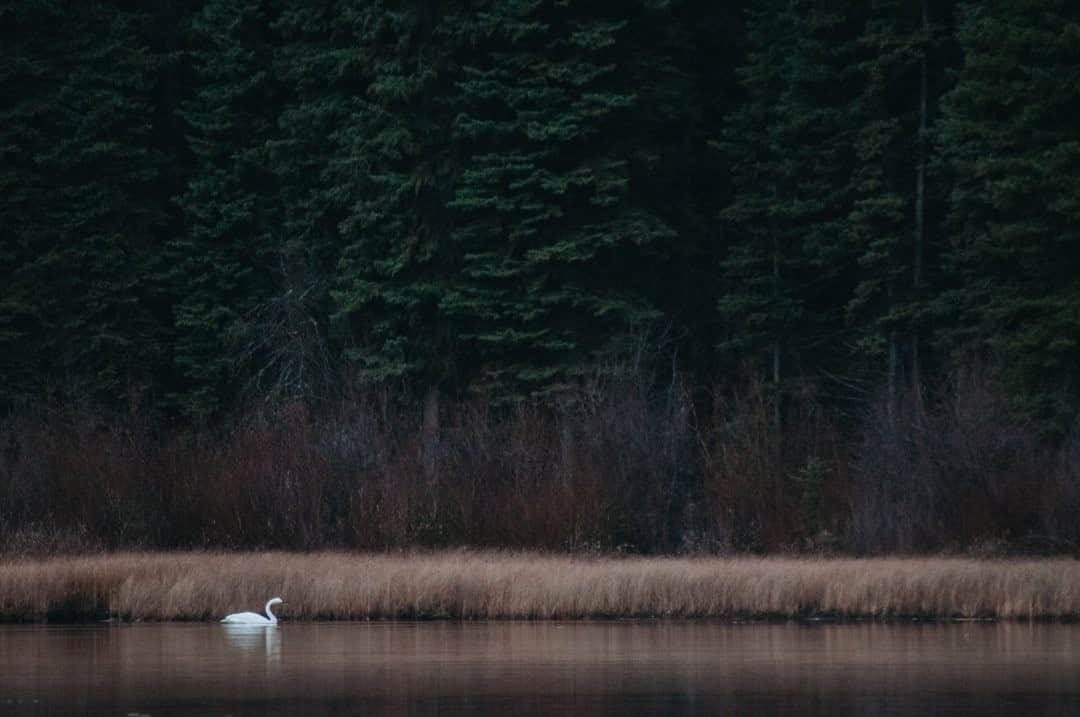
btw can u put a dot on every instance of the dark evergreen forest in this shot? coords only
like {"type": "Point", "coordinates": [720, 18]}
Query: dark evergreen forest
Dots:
{"type": "Point", "coordinates": [654, 276]}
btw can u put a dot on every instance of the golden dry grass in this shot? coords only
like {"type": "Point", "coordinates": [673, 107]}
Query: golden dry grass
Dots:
{"type": "Point", "coordinates": [466, 585]}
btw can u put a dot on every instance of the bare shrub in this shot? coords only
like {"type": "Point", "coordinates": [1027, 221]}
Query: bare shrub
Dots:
{"type": "Point", "coordinates": [770, 485]}
{"type": "Point", "coordinates": [1061, 502]}
{"type": "Point", "coordinates": [966, 473]}
{"type": "Point", "coordinates": [631, 441]}
{"type": "Point", "coordinates": [896, 496]}
{"type": "Point", "coordinates": [635, 461]}
{"type": "Point", "coordinates": [279, 348]}
{"type": "Point", "coordinates": [80, 477]}
{"type": "Point", "coordinates": [994, 465]}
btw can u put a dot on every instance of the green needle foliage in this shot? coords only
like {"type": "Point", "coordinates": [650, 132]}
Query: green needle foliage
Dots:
{"type": "Point", "coordinates": [391, 170]}
{"type": "Point", "coordinates": [552, 251]}
{"type": "Point", "coordinates": [83, 308]}
{"type": "Point", "coordinates": [220, 264]}
{"type": "Point", "coordinates": [790, 144]}
{"type": "Point", "coordinates": [212, 206]}
{"type": "Point", "coordinates": [1012, 149]}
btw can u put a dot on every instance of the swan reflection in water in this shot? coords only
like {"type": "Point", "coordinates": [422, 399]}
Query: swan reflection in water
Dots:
{"type": "Point", "coordinates": [255, 640]}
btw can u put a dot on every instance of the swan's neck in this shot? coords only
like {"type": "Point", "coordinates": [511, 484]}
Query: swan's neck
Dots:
{"type": "Point", "coordinates": [269, 612]}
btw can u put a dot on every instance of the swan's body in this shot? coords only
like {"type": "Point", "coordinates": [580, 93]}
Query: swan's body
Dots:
{"type": "Point", "coordinates": [254, 618]}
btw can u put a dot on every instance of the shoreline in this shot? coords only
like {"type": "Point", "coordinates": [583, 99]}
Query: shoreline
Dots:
{"type": "Point", "coordinates": [495, 585]}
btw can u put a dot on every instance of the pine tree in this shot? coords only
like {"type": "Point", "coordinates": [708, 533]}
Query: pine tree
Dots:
{"type": "Point", "coordinates": [222, 264]}
{"type": "Point", "coordinates": [391, 172]}
{"type": "Point", "coordinates": [84, 305]}
{"type": "Point", "coordinates": [281, 345]}
{"type": "Point", "coordinates": [902, 50]}
{"type": "Point", "coordinates": [1012, 150]}
{"type": "Point", "coordinates": [786, 262]}
{"type": "Point", "coordinates": [552, 249]}
{"type": "Point", "coordinates": [681, 68]}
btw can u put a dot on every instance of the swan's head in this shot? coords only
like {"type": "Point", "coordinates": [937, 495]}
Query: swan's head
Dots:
{"type": "Point", "coordinates": [275, 601]}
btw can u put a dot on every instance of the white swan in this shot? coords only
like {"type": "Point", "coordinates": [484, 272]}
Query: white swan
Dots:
{"type": "Point", "coordinates": [254, 618]}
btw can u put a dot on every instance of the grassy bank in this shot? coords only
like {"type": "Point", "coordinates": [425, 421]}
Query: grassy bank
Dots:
{"type": "Point", "coordinates": [205, 586]}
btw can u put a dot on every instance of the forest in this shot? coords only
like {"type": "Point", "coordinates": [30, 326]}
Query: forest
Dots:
{"type": "Point", "coordinates": [657, 276]}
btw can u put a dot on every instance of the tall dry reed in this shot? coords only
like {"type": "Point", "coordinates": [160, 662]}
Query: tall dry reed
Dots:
{"type": "Point", "coordinates": [500, 585]}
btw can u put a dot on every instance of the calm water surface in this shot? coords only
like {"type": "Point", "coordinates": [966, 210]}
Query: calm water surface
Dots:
{"type": "Point", "coordinates": [499, 668]}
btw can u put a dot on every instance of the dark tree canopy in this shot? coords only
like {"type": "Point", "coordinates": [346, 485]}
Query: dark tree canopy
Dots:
{"type": "Point", "coordinates": [211, 205]}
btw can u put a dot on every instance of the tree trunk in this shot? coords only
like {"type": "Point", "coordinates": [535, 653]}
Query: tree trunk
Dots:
{"type": "Point", "coordinates": [776, 375]}
{"type": "Point", "coordinates": [429, 436]}
{"type": "Point", "coordinates": [920, 212]}
{"type": "Point", "coordinates": [890, 399]}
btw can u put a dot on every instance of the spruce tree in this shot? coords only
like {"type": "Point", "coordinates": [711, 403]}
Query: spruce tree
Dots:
{"type": "Point", "coordinates": [222, 264]}
{"type": "Point", "coordinates": [681, 68]}
{"type": "Point", "coordinates": [903, 53]}
{"type": "Point", "coordinates": [84, 310]}
{"type": "Point", "coordinates": [552, 250]}
{"type": "Point", "coordinates": [1012, 150]}
{"type": "Point", "coordinates": [281, 345]}
{"type": "Point", "coordinates": [786, 262]}
{"type": "Point", "coordinates": [391, 173]}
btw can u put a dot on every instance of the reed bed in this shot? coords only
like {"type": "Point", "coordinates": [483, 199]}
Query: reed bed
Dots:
{"type": "Point", "coordinates": [498, 585]}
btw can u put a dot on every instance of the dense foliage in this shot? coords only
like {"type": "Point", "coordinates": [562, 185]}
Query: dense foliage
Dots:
{"type": "Point", "coordinates": [841, 213]}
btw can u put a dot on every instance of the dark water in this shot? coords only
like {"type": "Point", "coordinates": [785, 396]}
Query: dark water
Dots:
{"type": "Point", "coordinates": [517, 669]}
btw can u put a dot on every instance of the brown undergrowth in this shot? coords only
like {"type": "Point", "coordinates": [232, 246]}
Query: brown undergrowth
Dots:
{"type": "Point", "coordinates": [504, 585]}
{"type": "Point", "coordinates": [634, 465]}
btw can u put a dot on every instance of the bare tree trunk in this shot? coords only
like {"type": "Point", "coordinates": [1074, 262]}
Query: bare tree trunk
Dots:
{"type": "Point", "coordinates": [890, 403]}
{"type": "Point", "coordinates": [429, 445]}
{"type": "Point", "coordinates": [776, 375]}
{"type": "Point", "coordinates": [777, 443]}
{"type": "Point", "coordinates": [920, 211]}
{"type": "Point", "coordinates": [566, 471]}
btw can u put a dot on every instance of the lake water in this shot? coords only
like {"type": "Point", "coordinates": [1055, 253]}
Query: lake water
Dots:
{"type": "Point", "coordinates": [518, 669]}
